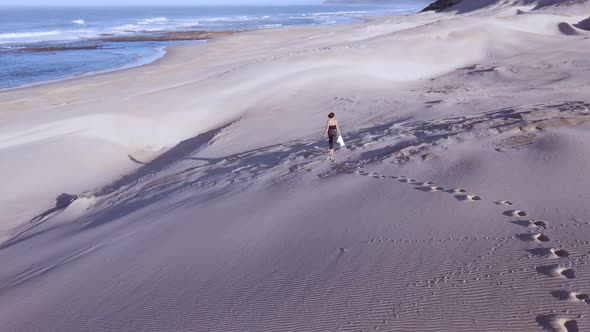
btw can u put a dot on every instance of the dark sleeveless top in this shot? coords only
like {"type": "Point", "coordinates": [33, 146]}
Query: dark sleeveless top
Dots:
{"type": "Point", "coordinates": [332, 127]}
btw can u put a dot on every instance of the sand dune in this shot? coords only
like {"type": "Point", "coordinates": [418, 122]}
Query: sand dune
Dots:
{"type": "Point", "coordinates": [201, 197]}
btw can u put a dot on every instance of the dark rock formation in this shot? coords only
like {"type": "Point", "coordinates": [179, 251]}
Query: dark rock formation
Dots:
{"type": "Point", "coordinates": [360, 2]}
{"type": "Point", "coordinates": [441, 5]}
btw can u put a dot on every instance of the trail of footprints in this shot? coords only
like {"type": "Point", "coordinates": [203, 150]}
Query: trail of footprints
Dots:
{"type": "Point", "coordinates": [536, 234]}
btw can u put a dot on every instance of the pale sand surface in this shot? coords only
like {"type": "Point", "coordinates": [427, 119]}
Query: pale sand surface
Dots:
{"type": "Point", "coordinates": [207, 203]}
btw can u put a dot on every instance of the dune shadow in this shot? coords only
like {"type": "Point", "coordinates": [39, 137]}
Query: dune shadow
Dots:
{"type": "Point", "coordinates": [140, 200]}
{"type": "Point", "coordinates": [165, 160]}
{"type": "Point", "coordinates": [24, 237]}
{"type": "Point", "coordinates": [61, 202]}
{"type": "Point", "coordinates": [395, 150]}
{"type": "Point", "coordinates": [251, 162]}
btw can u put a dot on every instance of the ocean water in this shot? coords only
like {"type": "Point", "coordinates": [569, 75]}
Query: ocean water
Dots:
{"type": "Point", "coordinates": [23, 29]}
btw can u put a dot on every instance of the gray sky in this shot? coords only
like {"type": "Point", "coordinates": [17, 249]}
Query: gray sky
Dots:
{"type": "Point", "coordinates": [153, 2]}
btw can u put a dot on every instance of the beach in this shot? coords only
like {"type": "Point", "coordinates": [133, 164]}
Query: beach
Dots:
{"type": "Point", "coordinates": [199, 195]}
{"type": "Point", "coordinates": [41, 44]}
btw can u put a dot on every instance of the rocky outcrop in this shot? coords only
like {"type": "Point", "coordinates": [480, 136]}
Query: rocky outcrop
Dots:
{"type": "Point", "coordinates": [584, 24]}
{"type": "Point", "coordinates": [470, 5]}
{"type": "Point", "coordinates": [360, 2]}
{"type": "Point", "coordinates": [441, 5]}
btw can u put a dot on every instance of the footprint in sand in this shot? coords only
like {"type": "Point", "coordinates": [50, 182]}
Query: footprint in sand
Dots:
{"type": "Point", "coordinates": [559, 253]}
{"type": "Point", "coordinates": [531, 223]}
{"type": "Point", "coordinates": [557, 271]}
{"type": "Point", "coordinates": [515, 213]}
{"type": "Point", "coordinates": [508, 203]}
{"type": "Point", "coordinates": [557, 323]}
{"type": "Point", "coordinates": [468, 198]}
{"type": "Point", "coordinates": [458, 191]}
{"type": "Point", "coordinates": [538, 223]}
{"type": "Point", "coordinates": [430, 189]}
{"type": "Point", "coordinates": [579, 297]}
{"type": "Point", "coordinates": [538, 237]}
{"type": "Point", "coordinates": [571, 296]}
{"type": "Point", "coordinates": [549, 252]}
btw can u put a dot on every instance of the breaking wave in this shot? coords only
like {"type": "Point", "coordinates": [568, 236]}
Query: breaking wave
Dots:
{"type": "Point", "coordinates": [24, 35]}
{"type": "Point", "coordinates": [156, 20]}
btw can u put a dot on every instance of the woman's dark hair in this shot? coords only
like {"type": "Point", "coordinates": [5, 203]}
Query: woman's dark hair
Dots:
{"type": "Point", "coordinates": [331, 115]}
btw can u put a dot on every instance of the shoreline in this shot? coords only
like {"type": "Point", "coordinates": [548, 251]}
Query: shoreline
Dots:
{"type": "Point", "coordinates": [193, 37]}
{"type": "Point", "coordinates": [161, 53]}
{"type": "Point", "coordinates": [141, 63]}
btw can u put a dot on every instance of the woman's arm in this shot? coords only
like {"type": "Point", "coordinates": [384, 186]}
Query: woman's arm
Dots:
{"type": "Point", "coordinates": [327, 127]}
{"type": "Point", "coordinates": [338, 127]}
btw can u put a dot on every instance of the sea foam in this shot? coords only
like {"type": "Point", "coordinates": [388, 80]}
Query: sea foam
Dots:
{"type": "Point", "coordinates": [157, 20]}
{"type": "Point", "coordinates": [23, 35]}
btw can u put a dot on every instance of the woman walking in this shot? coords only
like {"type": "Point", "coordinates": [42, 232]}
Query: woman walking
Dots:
{"type": "Point", "coordinates": [332, 132]}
